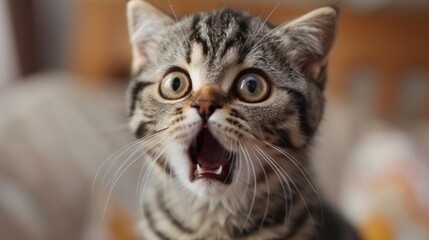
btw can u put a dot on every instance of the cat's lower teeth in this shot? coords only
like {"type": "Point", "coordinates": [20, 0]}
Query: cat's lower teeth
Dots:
{"type": "Point", "coordinates": [217, 171]}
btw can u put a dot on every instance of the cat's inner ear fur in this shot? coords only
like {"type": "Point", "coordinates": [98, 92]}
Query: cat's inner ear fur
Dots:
{"type": "Point", "coordinates": [144, 20]}
{"type": "Point", "coordinates": [309, 39]}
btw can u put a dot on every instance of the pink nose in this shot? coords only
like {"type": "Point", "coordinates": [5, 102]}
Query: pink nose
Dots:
{"type": "Point", "coordinates": [206, 107]}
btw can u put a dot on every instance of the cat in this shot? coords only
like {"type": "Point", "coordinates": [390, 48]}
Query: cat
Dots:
{"type": "Point", "coordinates": [226, 106]}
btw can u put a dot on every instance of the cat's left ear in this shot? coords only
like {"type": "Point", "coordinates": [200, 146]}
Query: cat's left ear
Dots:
{"type": "Point", "coordinates": [144, 21]}
{"type": "Point", "coordinates": [309, 39]}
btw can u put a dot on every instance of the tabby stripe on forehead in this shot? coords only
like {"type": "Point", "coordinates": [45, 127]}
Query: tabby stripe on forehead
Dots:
{"type": "Point", "coordinates": [136, 89]}
{"type": "Point", "coordinates": [188, 52]}
{"type": "Point", "coordinates": [228, 44]}
{"type": "Point", "coordinates": [237, 39]}
{"type": "Point", "coordinates": [301, 103]}
{"type": "Point", "coordinates": [196, 35]}
{"type": "Point", "coordinates": [193, 27]}
{"type": "Point", "coordinates": [151, 222]}
{"type": "Point", "coordinates": [169, 214]}
{"type": "Point", "coordinates": [244, 49]}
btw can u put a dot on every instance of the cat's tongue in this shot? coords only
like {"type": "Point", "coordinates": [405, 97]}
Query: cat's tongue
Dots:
{"type": "Point", "coordinates": [211, 154]}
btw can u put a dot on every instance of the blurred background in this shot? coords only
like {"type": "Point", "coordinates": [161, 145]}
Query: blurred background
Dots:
{"type": "Point", "coordinates": [64, 67]}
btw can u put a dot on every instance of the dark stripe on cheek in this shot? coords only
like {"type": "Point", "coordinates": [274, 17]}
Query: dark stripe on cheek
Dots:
{"type": "Point", "coordinates": [135, 91]}
{"type": "Point", "coordinates": [302, 105]}
{"type": "Point", "coordinates": [141, 130]}
{"type": "Point", "coordinates": [284, 139]}
{"type": "Point", "coordinates": [235, 113]}
{"type": "Point", "coordinates": [283, 135]}
{"type": "Point", "coordinates": [162, 162]}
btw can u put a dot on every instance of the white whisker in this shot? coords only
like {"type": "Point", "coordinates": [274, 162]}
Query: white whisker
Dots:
{"type": "Point", "coordinates": [255, 185]}
{"type": "Point", "coordinates": [283, 179]}
{"type": "Point", "coordinates": [118, 170]}
{"type": "Point", "coordinates": [300, 167]}
{"type": "Point", "coordinates": [120, 174]}
{"type": "Point", "coordinates": [268, 190]}
{"type": "Point", "coordinates": [297, 189]}
{"type": "Point", "coordinates": [120, 151]}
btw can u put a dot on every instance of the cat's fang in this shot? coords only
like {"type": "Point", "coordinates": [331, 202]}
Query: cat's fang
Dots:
{"type": "Point", "coordinates": [222, 173]}
{"type": "Point", "coordinates": [201, 170]}
{"type": "Point", "coordinates": [219, 170]}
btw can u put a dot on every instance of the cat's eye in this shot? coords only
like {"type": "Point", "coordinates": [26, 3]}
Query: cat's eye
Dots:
{"type": "Point", "coordinates": [175, 85]}
{"type": "Point", "coordinates": [252, 88]}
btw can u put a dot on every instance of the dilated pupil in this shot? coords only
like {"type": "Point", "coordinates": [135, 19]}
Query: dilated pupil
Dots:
{"type": "Point", "coordinates": [252, 85]}
{"type": "Point", "coordinates": [176, 84]}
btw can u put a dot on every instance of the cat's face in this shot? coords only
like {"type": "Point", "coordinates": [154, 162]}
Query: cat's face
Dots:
{"type": "Point", "coordinates": [217, 96]}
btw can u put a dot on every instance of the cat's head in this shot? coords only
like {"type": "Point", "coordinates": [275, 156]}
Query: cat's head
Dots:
{"type": "Point", "coordinates": [220, 98]}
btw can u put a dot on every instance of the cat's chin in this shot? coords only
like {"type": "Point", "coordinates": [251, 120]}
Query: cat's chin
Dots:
{"type": "Point", "coordinates": [209, 189]}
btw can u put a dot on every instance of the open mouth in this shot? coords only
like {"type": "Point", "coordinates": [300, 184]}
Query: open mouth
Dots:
{"type": "Point", "coordinates": [209, 159]}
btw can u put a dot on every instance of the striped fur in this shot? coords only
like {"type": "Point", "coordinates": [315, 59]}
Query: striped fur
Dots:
{"type": "Point", "coordinates": [271, 195]}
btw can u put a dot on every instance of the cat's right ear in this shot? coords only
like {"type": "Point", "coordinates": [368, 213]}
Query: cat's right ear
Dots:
{"type": "Point", "coordinates": [144, 20]}
{"type": "Point", "coordinates": [308, 40]}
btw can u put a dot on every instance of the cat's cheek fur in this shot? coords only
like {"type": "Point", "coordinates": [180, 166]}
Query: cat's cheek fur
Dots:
{"type": "Point", "coordinates": [137, 119]}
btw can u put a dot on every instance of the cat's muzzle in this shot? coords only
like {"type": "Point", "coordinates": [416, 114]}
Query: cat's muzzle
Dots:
{"type": "Point", "coordinates": [209, 159]}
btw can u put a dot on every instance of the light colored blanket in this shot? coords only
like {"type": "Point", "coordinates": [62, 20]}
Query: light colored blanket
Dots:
{"type": "Point", "coordinates": [54, 135]}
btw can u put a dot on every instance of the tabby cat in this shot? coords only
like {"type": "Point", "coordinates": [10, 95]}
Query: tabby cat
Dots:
{"type": "Point", "coordinates": [225, 106]}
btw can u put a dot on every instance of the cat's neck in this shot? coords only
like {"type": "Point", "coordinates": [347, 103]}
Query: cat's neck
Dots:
{"type": "Point", "coordinates": [240, 216]}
